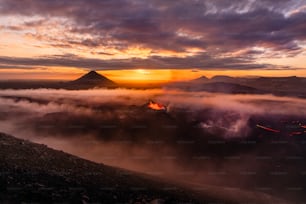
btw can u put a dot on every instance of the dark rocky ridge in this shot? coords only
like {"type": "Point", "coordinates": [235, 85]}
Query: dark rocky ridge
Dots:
{"type": "Point", "coordinates": [35, 173]}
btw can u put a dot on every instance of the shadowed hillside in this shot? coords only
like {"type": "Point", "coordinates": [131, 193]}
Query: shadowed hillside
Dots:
{"type": "Point", "coordinates": [35, 173]}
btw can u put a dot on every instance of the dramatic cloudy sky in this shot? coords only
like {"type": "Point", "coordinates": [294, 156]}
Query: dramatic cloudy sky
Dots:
{"type": "Point", "coordinates": [61, 38]}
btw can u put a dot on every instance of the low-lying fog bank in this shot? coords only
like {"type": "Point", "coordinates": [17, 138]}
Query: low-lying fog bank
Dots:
{"type": "Point", "coordinates": [203, 138]}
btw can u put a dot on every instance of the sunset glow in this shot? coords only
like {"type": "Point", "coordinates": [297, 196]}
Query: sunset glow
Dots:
{"type": "Point", "coordinates": [153, 101]}
{"type": "Point", "coordinates": [58, 41]}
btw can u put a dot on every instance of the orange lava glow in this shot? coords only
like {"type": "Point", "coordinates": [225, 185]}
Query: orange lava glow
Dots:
{"type": "Point", "coordinates": [295, 133]}
{"type": "Point", "coordinates": [156, 106]}
{"type": "Point", "coordinates": [268, 129]}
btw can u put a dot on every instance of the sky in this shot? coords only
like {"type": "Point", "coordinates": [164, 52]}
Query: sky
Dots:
{"type": "Point", "coordinates": [156, 40]}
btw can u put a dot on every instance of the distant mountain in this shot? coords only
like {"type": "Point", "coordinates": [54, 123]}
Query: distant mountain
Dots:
{"type": "Point", "coordinates": [282, 86]}
{"type": "Point", "coordinates": [92, 76]}
{"type": "Point", "coordinates": [223, 87]}
{"type": "Point", "coordinates": [201, 79]}
{"type": "Point", "coordinates": [88, 81]}
{"type": "Point", "coordinates": [218, 87]}
{"type": "Point", "coordinates": [222, 78]}
{"type": "Point", "coordinates": [91, 80]}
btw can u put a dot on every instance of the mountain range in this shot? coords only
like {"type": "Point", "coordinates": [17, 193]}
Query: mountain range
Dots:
{"type": "Point", "coordinates": [282, 86]}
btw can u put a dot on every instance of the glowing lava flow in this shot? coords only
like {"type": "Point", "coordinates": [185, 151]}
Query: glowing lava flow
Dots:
{"type": "Point", "coordinates": [156, 106]}
{"type": "Point", "coordinates": [268, 129]}
{"type": "Point", "coordinates": [295, 133]}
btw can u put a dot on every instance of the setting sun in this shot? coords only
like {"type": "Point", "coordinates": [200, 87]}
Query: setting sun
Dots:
{"type": "Point", "coordinates": [142, 71]}
{"type": "Point", "coordinates": [139, 76]}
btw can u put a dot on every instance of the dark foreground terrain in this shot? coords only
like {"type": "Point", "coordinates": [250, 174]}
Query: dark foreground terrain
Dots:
{"type": "Point", "coordinates": [35, 173]}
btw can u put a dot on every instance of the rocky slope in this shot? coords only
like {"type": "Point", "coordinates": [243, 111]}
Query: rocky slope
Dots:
{"type": "Point", "coordinates": [35, 173]}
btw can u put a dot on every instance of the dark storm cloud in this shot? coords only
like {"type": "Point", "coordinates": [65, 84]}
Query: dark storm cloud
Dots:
{"type": "Point", "coordinates": [201, 61]}
{"type": "Point", "coordinates": [218, 27]}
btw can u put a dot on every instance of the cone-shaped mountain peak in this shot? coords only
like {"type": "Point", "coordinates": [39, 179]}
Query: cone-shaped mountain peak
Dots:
{"type": "Point", "coordinates": [91, 79]}
{"type": "Point", "coordinates": [92, 75]}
